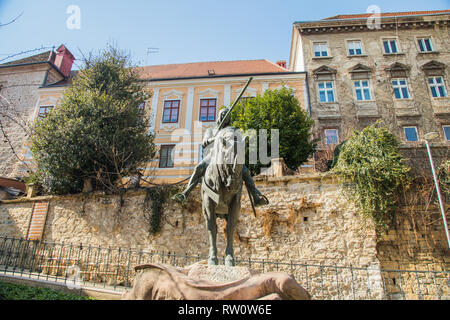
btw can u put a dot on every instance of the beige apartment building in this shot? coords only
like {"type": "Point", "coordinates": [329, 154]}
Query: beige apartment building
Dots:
{"type": "Point", "coordinates": [393, 68]}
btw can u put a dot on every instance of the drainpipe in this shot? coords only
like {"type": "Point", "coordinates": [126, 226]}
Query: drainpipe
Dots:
{"type": "Point", "coordinates": [309, 96]}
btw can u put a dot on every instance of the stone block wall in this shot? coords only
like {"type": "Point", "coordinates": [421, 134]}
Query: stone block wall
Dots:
{"type": "Point", "coordinates": [308, 222]}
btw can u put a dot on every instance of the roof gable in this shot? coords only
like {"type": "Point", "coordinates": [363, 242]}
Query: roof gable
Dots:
{"type": "Point", "coordinates": [41, 57]}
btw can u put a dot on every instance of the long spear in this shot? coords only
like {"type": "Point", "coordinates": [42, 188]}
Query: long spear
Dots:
{"type": "Point", "coordinates": [228, 115]}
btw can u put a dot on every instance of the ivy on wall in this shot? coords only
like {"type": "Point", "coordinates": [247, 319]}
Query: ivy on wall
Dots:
{"type": "Point", "coordinates": [154, 205]}
{"type": "Point", "coordinates": [373, 173]}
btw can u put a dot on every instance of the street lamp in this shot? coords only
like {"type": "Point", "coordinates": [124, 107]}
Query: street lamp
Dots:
{"type": "Point", "coordinates": [428, 137]}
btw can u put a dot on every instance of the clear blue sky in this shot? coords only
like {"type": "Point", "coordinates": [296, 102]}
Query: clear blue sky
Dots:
{"type": "Point", "coordinates": [183, 30]}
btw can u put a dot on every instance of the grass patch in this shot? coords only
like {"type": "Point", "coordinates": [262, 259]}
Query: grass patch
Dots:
{"type": "Point", "coordinates": [9, 291]}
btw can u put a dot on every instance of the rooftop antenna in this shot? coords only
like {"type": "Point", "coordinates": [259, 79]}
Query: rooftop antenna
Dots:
{"type": "Point", "coordinates": [149, 51]}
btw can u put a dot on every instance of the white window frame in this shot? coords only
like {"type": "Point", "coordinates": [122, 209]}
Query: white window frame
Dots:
{"type": "Point", "coordinates": [411, 127]}
{"type": "Point", "coordinates": [419, 39]}
{"type": "Point", "coordinates": [400, 87]}
{"type": "Point", "coordinates": [326, 137]}
{"type": "Point", "coordinates": [321, 43]}
{"type": "Point", "coordinates": [443, 129]}
{"type": "Point", "coordinates": [397, 44]}
{"type": "Point", "coordinates": [325, 89]}
{"type": "Point", "coordinates": [355, 54]}
{"type": "Point", "coordinates": [436, 85]}
{"type": "Point", "coordinates": [355, 89]}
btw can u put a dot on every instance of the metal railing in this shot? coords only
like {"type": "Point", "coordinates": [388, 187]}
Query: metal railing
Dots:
{"type": "Point", "coordinates": [113, 268]}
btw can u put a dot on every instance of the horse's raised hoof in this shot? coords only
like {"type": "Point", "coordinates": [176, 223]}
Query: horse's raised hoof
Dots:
{"type": "Point", "coordinates": [213, 262]}
{"type": "Point", "coordinates": [229, 261]}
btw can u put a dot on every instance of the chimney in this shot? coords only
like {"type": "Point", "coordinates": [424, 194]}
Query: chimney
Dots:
{"type": "Point", "coordinates": [282, 63]}
{"type": "Point", "coordinates": [64, 60]}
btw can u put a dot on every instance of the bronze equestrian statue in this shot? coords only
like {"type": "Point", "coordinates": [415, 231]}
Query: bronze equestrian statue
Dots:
{"type": "Point", "coordinates": [222, 173]}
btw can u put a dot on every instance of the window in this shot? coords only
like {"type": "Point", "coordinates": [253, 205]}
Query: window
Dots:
{"type": "Point", "coordinates": [411, 134]}
{"type": "Point", "coordinates": [390, 46]}
{"type": "Point", "coordinates": [320, 49]}
{"type": "Point", "coordinates": [354, 48]}
{"type": "Point", "coordinates": [401, 90]}
{"type": "Point", "coordinates": [208, 110]}
{"type": "Point", "coordinates": [44, 111]}
{"type": "Point", "coordinates": [166, 156]}
{"type": "Point", "coordinates": [446, 132]}
{"type": "Point", "coordinates": [425, 44]}
{"type": "Point", "coordinates": [326, 91]}
{"type": "Point", "coordinates": [171, 111]}
{"type": "Point", "coordinates": [362, 90]}
{"type": "Point", "coordinates": [332, 136]}
{"type": "Point", "coordinates": [437, 87]}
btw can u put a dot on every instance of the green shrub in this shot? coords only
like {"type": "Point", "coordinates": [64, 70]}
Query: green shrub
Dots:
{"type": "Point", "coordinates": [374, 173]}
{"type": "Point", "coordinates": [278, 109]}
{"type": "Point", "coordinates": [98, 131]}
{"type": "Point", "coordinates": [10, 291]}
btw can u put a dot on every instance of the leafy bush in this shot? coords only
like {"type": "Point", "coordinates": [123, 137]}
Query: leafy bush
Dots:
{"type": "Point", "coordinates": [10, 291]}
{"type": "Point", "coordinates": [374, 173]}
{"type": "Point", "coordinates": [98, 131]}
{"type": "Point", "coordinates": [278, 109]}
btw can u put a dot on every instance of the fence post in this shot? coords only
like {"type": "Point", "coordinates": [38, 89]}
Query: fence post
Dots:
{"type": "Point", "coordinates": [401, 287]}
{"type": "Point", "coordinates": [40, 259]}
{"type": "Point", "coordinates": [107, 267]}
{"type": "Point", "coordinates": [337, 281]}
{"type": "Point", "coordinates": [306, 275]}
{"type": "Point", "coordinates": [128, 267]}
{"type": "Point", "coordinates": [368, 282]}
{"type": "Point", "coordinates": [321, 281]}
{"type": "Point", "coordinates": [418, 283]}
{"type": "Point", "coordinates": [96, 264]}
{"type": "Point", "coordinates": [140, 256]}
{"type": "Point", "coordinates": [117, 268]}
{"type": "Point", "coordinates": [436, 286]}
{"type": "Point", "coordinates": [36, 246]}
{"type": "Point", "coordinates": [353, 282]}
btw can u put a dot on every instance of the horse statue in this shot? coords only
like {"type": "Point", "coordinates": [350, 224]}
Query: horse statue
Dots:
{"type": "Point", "coordinates": [221, 189]}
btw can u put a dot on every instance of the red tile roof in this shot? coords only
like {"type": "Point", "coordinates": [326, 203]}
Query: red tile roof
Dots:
{"type": "Point", "coordinates": [389, 14]}
{"type": "Point", "coordinates": [201, 69]}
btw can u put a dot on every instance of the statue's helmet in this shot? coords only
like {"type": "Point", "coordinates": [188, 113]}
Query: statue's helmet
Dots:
{"type": "Point", "coordinates": [222, 115]}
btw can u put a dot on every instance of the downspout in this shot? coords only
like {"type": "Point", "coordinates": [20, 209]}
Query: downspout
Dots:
{"type": "Point", "coordinates": [308, 94]}
{"type": "Point", "coordinates": [44, 82]}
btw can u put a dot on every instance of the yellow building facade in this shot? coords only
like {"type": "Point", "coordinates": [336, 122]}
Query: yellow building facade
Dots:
{"type": "Point", "coordinates": [185, 101]}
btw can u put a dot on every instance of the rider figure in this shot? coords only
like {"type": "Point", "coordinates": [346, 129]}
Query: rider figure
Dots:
{"type": "Point", "coordinates": [200, 169]}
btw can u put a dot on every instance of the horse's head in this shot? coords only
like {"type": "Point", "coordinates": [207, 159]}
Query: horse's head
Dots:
{"type": "Point", "coordinates": [229, 155]}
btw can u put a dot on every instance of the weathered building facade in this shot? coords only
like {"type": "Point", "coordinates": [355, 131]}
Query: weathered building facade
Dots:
{"type": "Point", "coordinates": [19, 85]}
{"type": "Point", "coordinates": [392, 68]}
